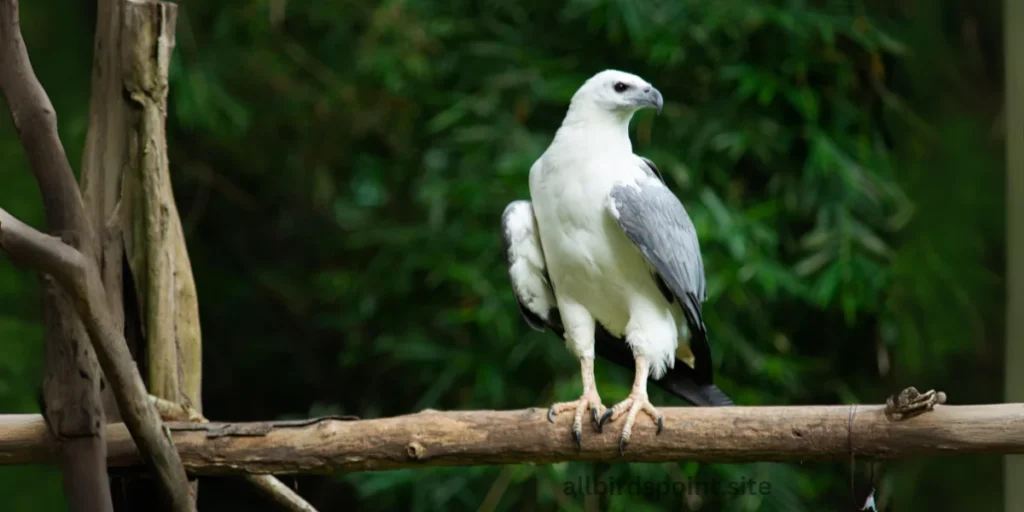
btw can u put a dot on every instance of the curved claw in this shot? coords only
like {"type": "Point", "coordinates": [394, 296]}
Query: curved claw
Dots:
{"type": "Point", "coordinates": [607, 414]}
{"type": "Point", "coordinates": [551, 414]}
{"type": "Point", "coordinates": [661, 424]}
{"type": "Point", "coordinates": [597, 421]}
{"type": "Point", "coordinates": [622, 446]}
{"type": "Point", "coordinates": [578, 436]}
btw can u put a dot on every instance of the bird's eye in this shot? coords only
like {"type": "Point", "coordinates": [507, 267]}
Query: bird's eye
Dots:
{"type": "Point", "coordinates": [620, 87]}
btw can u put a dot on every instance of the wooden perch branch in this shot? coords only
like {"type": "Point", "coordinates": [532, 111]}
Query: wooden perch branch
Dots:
{"type": "Point", "coordinates": [432, 438]}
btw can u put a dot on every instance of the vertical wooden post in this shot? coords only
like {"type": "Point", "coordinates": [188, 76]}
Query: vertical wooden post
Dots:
{"type": "Point", "coordinates": [154, 240]}
{"type": "Point", "coordinates": [103, 160]}
{"type": "Point", "coordinates": [1014, 55]}
{"type": "Point", "coordinates": [127, 191]}
{"type": "Point", "coordinates": [71, 402]}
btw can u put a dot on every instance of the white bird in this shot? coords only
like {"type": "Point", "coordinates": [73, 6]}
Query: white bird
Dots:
{"type": "Point", "coordinates": [607, 257]}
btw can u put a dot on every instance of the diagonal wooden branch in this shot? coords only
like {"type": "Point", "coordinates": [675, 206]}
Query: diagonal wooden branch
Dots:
{"type": "Point", "coordinates": [36, 123]}
{"type": "Point", "coordinates": [72, 380]}
{"type": "Point", "coordinates": [464, 438]}
{"type": "Point", "coordinates": [276, 489]}
{"type": "Point", "coordinates": [35, 120]}
{"type": "Point", "coordinates": [79, 277]}
{"type": "Point", "coordinates": [45, 253]}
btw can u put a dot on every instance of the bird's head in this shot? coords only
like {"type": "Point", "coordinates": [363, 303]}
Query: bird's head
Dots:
{"type": "Point", "coordinates": [615, 95]}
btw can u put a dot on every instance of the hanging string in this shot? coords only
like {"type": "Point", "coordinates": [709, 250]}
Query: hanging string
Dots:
{"type": "Point", "coordinates": [868, 503]}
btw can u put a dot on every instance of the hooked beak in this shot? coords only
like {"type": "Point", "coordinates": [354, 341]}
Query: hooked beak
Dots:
{"type": "Point", "coordinates": [651, 97]}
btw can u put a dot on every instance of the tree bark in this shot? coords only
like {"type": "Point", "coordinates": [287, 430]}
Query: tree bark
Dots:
{"type": "Point", "coordinates": [72, 377]}
{"type": "Point", "coordinates": [71, 402]}
{"type": "Point", "coordinates": [103, 160]}
{"type": "Point", "coordinates": [127, 188]}
{"type": "Point", "coordinates": [72, 263]}
{"type": "Point", "coordinates": [79, 277]}
{"type": "Point", "coordinates": [106, 152]}
{"type": "Point", "coordinates": [155, 242]}
{"type": "Point", "coordinates": [463, 438]}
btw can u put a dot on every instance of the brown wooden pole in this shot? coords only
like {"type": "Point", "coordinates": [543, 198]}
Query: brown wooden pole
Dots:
{"type": "Point", "coordinates": [463, 438]}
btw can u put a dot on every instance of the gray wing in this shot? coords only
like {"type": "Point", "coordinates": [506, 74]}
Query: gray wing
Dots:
{"type": "Point", "coordinates": [657, 223]}
{"type": "Point", "coordinates": [527, 269]}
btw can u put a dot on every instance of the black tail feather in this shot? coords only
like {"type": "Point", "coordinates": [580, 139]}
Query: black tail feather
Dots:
{"type": "Point", "coordinates": [707, 395]}
{"type": "Point", "coordinates": [681, 380]}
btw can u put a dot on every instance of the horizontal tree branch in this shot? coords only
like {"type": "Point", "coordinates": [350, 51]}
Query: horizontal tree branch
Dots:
{"type": "Point", "coordinates": [462, 438]}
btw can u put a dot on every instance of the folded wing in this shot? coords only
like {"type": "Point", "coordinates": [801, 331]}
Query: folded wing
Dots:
{"type": "Point", "coordinates": [654, 219]}
{"type": "Point", "coordinates": [527, 269]}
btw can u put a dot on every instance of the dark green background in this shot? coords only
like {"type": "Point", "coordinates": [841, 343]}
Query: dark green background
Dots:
{"type": "Point", "coordinates": [341, 167]}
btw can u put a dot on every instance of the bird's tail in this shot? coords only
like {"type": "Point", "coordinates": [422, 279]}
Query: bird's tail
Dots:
{"type": "Point", "coordinates": [680, 381]}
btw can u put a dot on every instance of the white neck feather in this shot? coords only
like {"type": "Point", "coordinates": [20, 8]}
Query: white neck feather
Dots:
{"type": "Point", "coordinates": [595, 129]}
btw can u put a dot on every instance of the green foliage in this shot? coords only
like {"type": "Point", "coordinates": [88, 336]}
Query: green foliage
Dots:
{"type": "Point", "coordinates": [341, 169]}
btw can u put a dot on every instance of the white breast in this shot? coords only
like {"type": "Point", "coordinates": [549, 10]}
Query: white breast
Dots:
{"type": "Point", "coordinates": [589, 258]}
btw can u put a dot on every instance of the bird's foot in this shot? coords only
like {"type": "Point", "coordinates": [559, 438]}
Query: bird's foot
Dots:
{"type": "Point", "coordinates": [631, 407]}
{"type": "Point", "coordinates": [911, 402]}
{"type": "Point", "coordinates": [589, 400]}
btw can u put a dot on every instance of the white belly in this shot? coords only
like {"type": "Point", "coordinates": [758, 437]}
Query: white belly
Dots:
{"type": "Point", "coordinates": [590, 259]}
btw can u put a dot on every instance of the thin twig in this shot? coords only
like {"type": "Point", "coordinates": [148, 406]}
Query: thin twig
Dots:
{"type": "Point", "coordinates": [280, 492]}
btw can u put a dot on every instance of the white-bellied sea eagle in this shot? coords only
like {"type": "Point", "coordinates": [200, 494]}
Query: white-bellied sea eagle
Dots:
{"type": "Point", "coordinates": [605, 255]}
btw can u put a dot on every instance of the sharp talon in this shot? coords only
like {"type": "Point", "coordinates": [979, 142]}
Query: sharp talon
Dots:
{"type": "Point", "coordinates": [661, 424]}
{"type": "Point", "coordinates": [622, 446]}
{"type": "Point", "coordinates": [578, 410]}
{"type": "Point", "coordinates": [607, 414]}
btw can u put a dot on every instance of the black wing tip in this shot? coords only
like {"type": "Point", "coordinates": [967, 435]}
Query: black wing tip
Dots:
{"type": "Point", "coordinates": [532, 319]}
{"type": "Point", "coordinates": [704, 396]}
{"type": "Point", "coordinates": [682, 381]}
{"type": "Point", "coordinates": [654, 168]}
{"type": "Point", "coordinates": [715, 397]}
{"type": "Point", "coordinates": [700, 346]}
